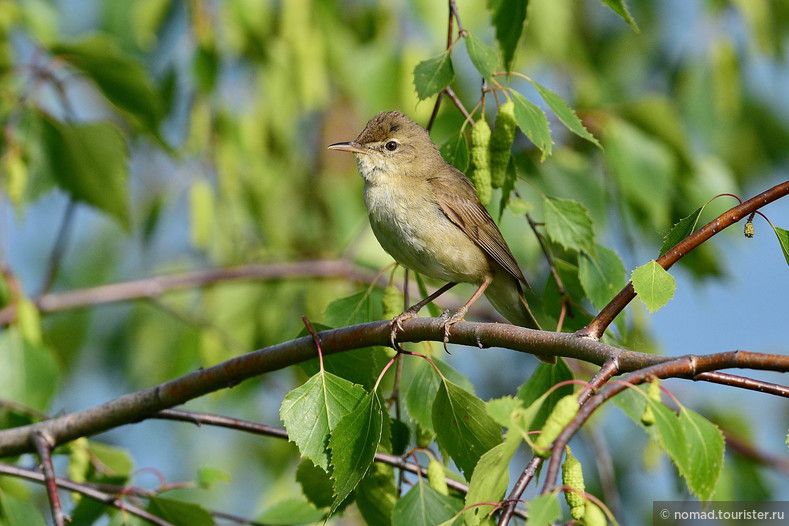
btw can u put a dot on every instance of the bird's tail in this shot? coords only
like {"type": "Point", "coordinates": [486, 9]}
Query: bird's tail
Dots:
{"type": "Point", "coordinates": [506, 296]}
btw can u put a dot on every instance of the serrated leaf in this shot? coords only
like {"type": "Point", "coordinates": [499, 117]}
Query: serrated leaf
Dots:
{"type": "Point", "coordinates": [705, 453]}
{"type": "Point", "coordinates": [681, 230]}
{"type": "Point", "coordinates": [543, 510]}
{"type": "Point", "coordinates": [424, 506]}
{"type": "Point", "coordinates": [311, 411]}
{"type": "Point", "coordinates": [433, 75]}
{"type": "Point", "coordinates": [568, 224]}
{"type": "Point", "coordinates": [180, 513]}
{"type": "Point", "coordinates": [484, 57]}
{"type": "Point", "coordinates": [463, 427]}
{"type": "Point", "coordinates": [602, 276]}
{"type": "Point", "coordinates": [783, 240]}
{"type": "Point", "coordinates": [353, 444]}
{"type": "Point", "coordinates": [89, 162]}
{"type": "Point", "coordinates": [120, 77]}
{"type": "Point", "coordinates": [361, 307]}
{"type": "Point", "coordinates": [377, 495]}
{"type": "Point", "coordinates": [620, 8]}
{"type": "Point", "coordinates": [565, 114]}
{"type": "Point", "coordinates": [423, 385]}
{"type": "Point", "coordinates": [490, 479]}
{"type": "Point", "coordinates": [653, 284]}
{"type": "Point", "coordinates": [508, 17]}
{"type": "Point", "coordinates": [533, 122]}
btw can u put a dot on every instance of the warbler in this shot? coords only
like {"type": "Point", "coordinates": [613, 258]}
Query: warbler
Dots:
{"type": "Point", "coordinates": [426, 214]}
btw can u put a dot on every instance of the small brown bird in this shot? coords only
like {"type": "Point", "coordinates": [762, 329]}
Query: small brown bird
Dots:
{"type": "Point", "coordinates": [427, 216]}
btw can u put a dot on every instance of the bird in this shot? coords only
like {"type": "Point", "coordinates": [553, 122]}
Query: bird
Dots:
{"type": "Point", "coordinates": [426, 214]}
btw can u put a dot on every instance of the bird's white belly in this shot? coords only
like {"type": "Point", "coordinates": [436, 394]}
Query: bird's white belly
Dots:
{"type": "Point", "coordinates": [418, 235]}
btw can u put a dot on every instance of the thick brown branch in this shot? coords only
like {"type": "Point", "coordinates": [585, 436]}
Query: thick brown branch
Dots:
{"type": "Point", "coordinates": [134, 407]}
{"type": "Point", "coordinates": [604, 318]}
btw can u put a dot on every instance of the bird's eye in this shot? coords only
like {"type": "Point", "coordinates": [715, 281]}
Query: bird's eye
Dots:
{"type": "Point", "coordinates": [391, 145]}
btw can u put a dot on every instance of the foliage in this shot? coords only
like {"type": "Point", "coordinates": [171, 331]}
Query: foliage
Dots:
{"type": "Point", "coordinates": [170, 156]}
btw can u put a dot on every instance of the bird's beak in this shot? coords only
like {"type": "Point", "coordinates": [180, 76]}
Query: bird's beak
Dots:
{"type": "Point", "coordinates": [351, 146]}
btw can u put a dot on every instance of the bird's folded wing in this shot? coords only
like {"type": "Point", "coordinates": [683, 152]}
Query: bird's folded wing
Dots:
{"type": "Point", "coordinates": [458, 199]}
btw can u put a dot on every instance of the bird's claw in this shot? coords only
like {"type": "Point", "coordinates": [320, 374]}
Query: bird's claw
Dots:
{"type": "Point", "coordinates": [450, 321]}
{"type": "Point", "coordinates": [396, 325]}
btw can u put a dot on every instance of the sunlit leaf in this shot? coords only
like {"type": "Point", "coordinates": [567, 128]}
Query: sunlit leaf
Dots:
{"type": "Point", "coordinates": [433, 75]}
{"type": "Point", "coordinates": [568, 224]}
{"type": "Point", "coordinates": [424, 506]}
{"type": "Point", "coordinates": [653, 284]}
{"type": "Point", "coordinates": [783, 239]}
{"type": "Point", "coordinates": [484, 57]}
{"type": "Point", "coordinates": [533, 122]}
{"type": "Point", "coordinates": [353, 444]}
{"type": "Point", "coordinates": [602, 275]}
{"type": "Point", "coordinates": [565, 114]}
{"type": "Point", "coordinates": [681, 230]}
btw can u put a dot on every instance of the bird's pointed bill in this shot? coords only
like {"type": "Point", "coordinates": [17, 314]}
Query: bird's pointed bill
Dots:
{"type": "Point", "coordinates": [352, 146]}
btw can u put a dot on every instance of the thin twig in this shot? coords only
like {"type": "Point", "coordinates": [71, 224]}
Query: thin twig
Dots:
{"type": "Point", "coordinates": [44, 446]}
{"type": "Point", "coordinates": [59, 248]}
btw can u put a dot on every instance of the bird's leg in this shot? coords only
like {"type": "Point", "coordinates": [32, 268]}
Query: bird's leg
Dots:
{"type": "Point", "coordinates": [397, 322]}
{"type": "Point", "coordinates": [458, 316]}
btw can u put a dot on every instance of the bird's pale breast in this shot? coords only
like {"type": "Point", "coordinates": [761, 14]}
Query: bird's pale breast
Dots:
{"type": "Point", "coordinates": [412, 228]}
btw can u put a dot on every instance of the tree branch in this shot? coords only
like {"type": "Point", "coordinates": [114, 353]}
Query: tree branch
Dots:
{"type": "Point", "coordinates": [604, 318]}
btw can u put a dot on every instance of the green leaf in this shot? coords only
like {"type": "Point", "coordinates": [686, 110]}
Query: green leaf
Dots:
{"type": "Point", "coordinates": [565, 114]}
{"type": "Point", "coordinates": [620, 8]}
{"type": "Point", "coordinates": [681, 230]}
{"type": "Point", "coordinates": [705, 453]}
{"type": "Point", "coordinates": [353, 444]}
{"type": "Point", "coordinates": [361, 307]}
{"type": "Point", "coordinates": [377, 495]}
{"type": "Point", "coordinates": [568, 224]}
{"type": "Point", "coordinates": [30, 373]}
{"type": "Point", "coordinates": [490, 479]}
{"type": "Point", "coordinates": [463, 427]}
{"type": "Point", "coordinates": [602, 276]}
{"type": "Point", "coordinates": [18, 512]}
{"type": "Point", "coordinates": [180, 513]}
{"type": "Point", "coordinates": [508, 17]}
{"type": "Point", "coordinates": [533, 122]}
{"type": "Point", "coordinates": [433, 75]}
{"type": "Point", "coordinates": [292, 511]}
{"type": "Point", "coordinates": [120, 77]}
{"type": "Point", "coordinates": [89, 162]}
{"type": "Point", "coordinates": [315, 484]}
{"type": "Point", "coordinates": [484, 57]}
{"type": "Point", "coordinates": [543, 510]}
{"type": "Point", "coordinates": [783, 239]}
{"type": "Point", "coordinates": [422, 384]}
{"type": "Point", "coordinates": [424, 506]}
{"type": "Point", "coordinates": [455, 151]}
{"type": "Point", "coordinates": [311, 411]}
{"type": "Point", "coordinates": [653, 284]}
{"type": "Point", "coordinates": [542, 379]}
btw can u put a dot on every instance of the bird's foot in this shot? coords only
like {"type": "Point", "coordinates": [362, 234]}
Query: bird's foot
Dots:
{"type": "Point", "coordinates": [449, 322]}
{"type": "Point", "coordinates": [396, 324]}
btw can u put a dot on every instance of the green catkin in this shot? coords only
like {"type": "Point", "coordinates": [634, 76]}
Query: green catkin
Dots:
{"type": "Point", "coordinates": [479, 160]}
{"type": "Point", "coordinates": [563, 412]}
{"type": "Point", "coordinates": [653, 392]}
{"type": "Point", "coordinates": [501, 143]}
{"type": "Point", "coordinates": [573, 477]}
{"type": "Point", "coordinates": [594, 516]}
{"type": "Point", "coordinates": [392, 302]}
{"type": "Point", "coordinates": [436, 477]}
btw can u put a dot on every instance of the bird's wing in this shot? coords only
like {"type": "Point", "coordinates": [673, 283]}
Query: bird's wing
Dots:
{"type": "Point", "coordinates": [458, 199]}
